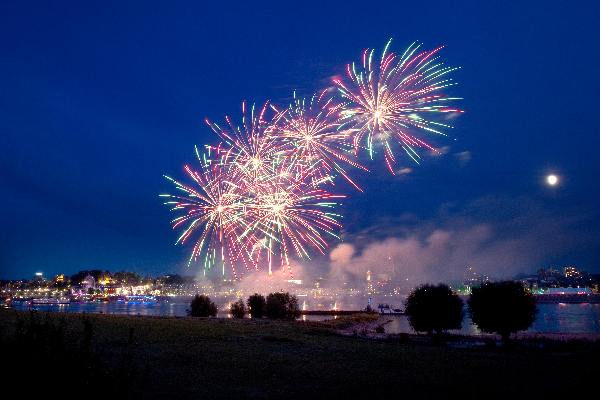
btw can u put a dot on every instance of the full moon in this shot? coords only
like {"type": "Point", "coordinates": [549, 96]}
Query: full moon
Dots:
{"type": "Point", "coordinates": [552, 180]}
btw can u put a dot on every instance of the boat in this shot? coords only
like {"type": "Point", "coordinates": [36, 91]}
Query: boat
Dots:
{"type": "Point", "coordinates": [141, 299]}
{"type": "Point", "coordinates": [386, 309]}
{"type": "Point", "coordinates": [49, 301]}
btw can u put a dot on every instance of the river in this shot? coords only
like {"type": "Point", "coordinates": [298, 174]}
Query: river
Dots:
{"type": "Point", "coordinates": [551, 318]}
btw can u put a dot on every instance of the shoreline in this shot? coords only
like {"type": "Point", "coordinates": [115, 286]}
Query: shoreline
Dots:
{"type": "Point", "coordinates": [353, 324]}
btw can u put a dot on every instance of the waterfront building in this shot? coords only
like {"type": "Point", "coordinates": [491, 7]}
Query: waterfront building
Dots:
{"type": "Point", "coordinates": [88, 283]}
{"type": "Point", "coordinates": [369, 283]}
{"type": "Point", "coordinates": [572, 272]}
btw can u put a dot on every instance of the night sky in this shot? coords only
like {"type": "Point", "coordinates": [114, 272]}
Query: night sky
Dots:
{"type": "Point", "coordinates": [99, 99]}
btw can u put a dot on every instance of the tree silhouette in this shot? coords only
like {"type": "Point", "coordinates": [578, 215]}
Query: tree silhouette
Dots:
{"type": "Point", "coordinates": [282, 306]}
{"type": "Point", "coordinates": [202, 306]}
{"type": "Point", "coordinates": [502, 308]}
{"type": "Point", "coordinates": [433, 308]}
{"type": "Point", "coordinates": [256, 305]}
{"type": "Point", "coordinates": [238, 309]}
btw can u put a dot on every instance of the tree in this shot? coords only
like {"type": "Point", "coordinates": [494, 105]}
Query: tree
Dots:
{"type": "Point", "coordinates": [173, 280]}
{"type": "Point", "coordinates": [202, 306]}
{"type": "Point", "coordinates": [282, 306]}
{"type": "Point", "coordinates": [238, 309]}
{"type": "Point", "coordinates": [77, 278]}
{"type": "Point", "coordinates": [127, 278]}
{"type": "Point", "coordinates": [256, 305]}
{"type": "Point", "coordinates": [433, 308]}
{"type": "Point", "coordinates": [502, 308]}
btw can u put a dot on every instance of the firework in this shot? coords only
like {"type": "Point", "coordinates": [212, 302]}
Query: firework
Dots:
{"type": "Point", "coordinates": [259, 198]}
{"type": "Point", "coordinates": [251, 151]}
{"type": "Point", "coordinates": [392, 99]}
{"type": "Point", "coordinates": [240, 224]}
{"type": "Point", "coordinates": [214, 208]}
{"type": "Point", "coordinates": [310, 129]}
{"type": "Point", "coordinates": [290, 216]}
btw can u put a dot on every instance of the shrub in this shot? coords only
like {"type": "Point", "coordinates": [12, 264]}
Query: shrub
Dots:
{"type": "Point", "coordinates": [434, 309]}
{"type": "Point", "coordinates": [202, 306]}
{"type": "Point", "coordinates": [256, 305]}
{"type": "Point", "coordinates": [282, 306]}
{"type": "Point", "coordinates": [238, 309]}
{"type": "Point", "coordinates": [502, 308]}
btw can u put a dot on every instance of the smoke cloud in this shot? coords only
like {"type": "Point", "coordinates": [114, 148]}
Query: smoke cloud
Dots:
{"type": "Point", "coordinates": [410, 251]}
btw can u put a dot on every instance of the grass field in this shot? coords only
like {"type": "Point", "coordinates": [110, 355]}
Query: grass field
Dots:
{"type": "Point", "coordinates": [179, 358]}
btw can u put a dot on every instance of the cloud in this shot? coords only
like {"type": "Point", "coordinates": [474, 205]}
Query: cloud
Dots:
{"type": "Point", "coordinates": [434, 256]}
{"type": "Point", "coordinates": [440, 151]}
{"type": "Point", "coordinates": [452, 115]}
{"type": "Point", "coordinates": [463, 157]}
{"type": "Point", "coordinates": [260, 282]}
{"type": "Point", "coordinates": [522, 238]}
{"type": "Point", "coordinates": [404, 171]}
{"type": "Point", "coordinates": [497, 237]}
{"type": "Point", "coordinates": [341, 254]}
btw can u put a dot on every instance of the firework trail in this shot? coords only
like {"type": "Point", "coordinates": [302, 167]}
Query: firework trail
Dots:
{"type": "Point", "coordinates": [310, 130]}
{"type": "Point", "coordinates": [215, 208]}
{"type": "Point", "coordinates": [258, 197]}
{"type": "Point", "coordinates": [393, 98]}
{"type": "Point", "coordinates": [251, 151]}
{"type": "Point", "coordinates": [243, 224]}
{"type": "Point", "coordinates": [291, 215]}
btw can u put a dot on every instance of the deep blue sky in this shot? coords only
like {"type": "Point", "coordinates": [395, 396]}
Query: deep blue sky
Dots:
{"type": "Point", "coordinates": [99, 99]}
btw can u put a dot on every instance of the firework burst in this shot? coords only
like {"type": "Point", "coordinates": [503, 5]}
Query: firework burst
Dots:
{"type": "Point", "coordinates": [251, 151]}
{"type": "Point", "coordinates": [310, 129]}
{"type": "Point", "coordinates": [393, 99]}
{"type": "Point", "coordinates": [259, 198]}
{"type": "Point", "coordinates": [213, 208]}
{"type": "Point", "coordinates": [290, 216]}
{"type": "Point", "coordinates": [235, 223]}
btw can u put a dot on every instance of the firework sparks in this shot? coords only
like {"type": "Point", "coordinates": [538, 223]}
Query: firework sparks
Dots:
{"type": "Point", "coordinates": [310, 128]}
{"type": "Point", "coordinates": [215, 207]}
{"type": "Point", "coordinates": [290, 215]}
{"type": "Point", "coordinates": [242, 224]}
{"type": "Point", "coordinates": [259, 195]}
{"type": "Point", "coordinates": [394, 98]}
{"type": "Point", "coordinates": [251, 150]}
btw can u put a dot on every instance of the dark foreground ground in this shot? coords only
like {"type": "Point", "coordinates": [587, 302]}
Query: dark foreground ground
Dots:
{"type": "Point", "coordinates": [92, 356]}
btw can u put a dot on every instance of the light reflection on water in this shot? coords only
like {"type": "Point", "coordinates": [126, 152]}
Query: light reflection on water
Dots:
{"type": "Point", "coordinates": [551, 318]}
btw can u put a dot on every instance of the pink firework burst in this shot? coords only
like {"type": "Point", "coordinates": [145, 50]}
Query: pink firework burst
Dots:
{"type": "Point", "coordinates": [395, 99]}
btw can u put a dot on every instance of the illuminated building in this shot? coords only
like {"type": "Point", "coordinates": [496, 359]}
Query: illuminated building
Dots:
{"type": "Point", "coordinates": [369, 283]}
{"type": "Point", "coordinates": [88, 283]}
{"type": "Point", "coordinates": [105, 279]}
{"type": "Point", "coordinates": [572, 272]}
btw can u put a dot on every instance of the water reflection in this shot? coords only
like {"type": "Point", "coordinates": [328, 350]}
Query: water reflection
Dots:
{"type": "Point", "coordinates": [551, 318]}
